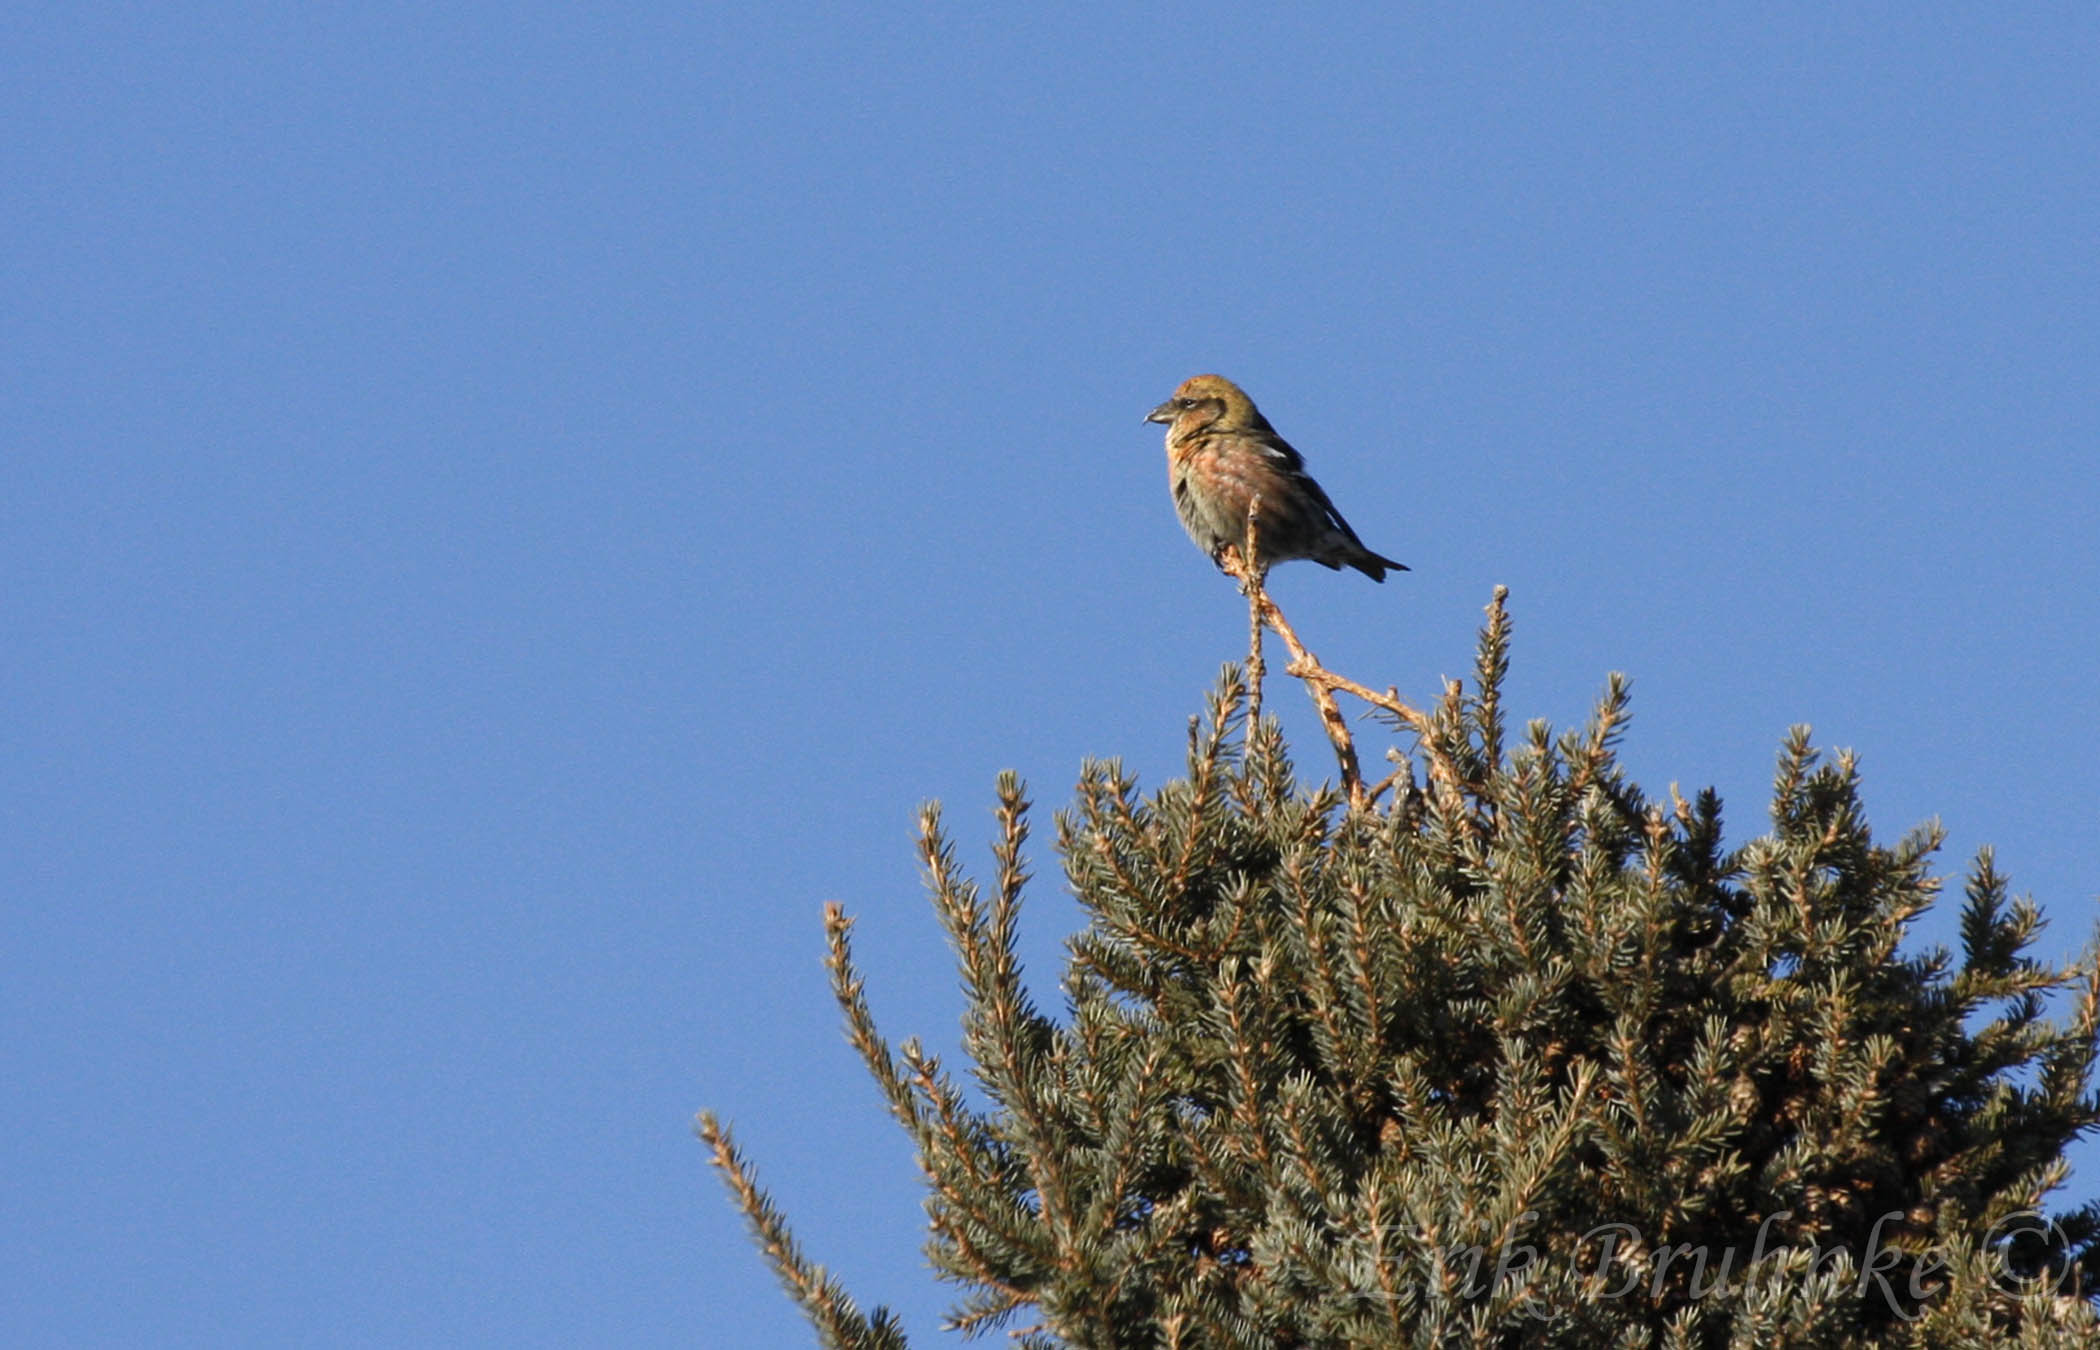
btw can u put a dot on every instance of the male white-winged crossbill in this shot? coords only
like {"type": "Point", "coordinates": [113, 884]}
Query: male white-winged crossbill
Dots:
{"type": "Point", "coordinates": [1221, 452]}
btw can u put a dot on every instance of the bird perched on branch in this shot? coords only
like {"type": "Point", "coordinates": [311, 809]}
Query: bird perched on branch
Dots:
{"type": "Point", "coordinates": [1221, 453]}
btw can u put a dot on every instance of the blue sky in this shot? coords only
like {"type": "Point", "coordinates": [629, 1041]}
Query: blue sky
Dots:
{"type": "Point", "coordinates": [509, 508]}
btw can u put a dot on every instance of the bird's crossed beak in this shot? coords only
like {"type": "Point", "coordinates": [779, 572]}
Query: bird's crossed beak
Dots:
{"type": "Point", "coordinates": [1165, 412]}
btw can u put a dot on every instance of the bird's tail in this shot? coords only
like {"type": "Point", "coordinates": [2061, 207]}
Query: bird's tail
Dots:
{"type": "Point", "coordinates": [1373, 566]}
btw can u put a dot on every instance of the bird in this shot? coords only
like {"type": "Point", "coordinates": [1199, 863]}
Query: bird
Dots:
{"type": "Point", "coordinates": [1221, 452]}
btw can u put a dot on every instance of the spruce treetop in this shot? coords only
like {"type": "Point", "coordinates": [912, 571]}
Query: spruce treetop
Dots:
{"type": "Point", "coordinates": [1497, 1051]}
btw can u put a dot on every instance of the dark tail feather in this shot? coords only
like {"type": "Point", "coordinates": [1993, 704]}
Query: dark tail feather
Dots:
{"type": "Point", "coordinates": [1375, 567]}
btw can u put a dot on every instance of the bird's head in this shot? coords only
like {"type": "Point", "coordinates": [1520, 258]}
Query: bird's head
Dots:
{"type": "Point", "coordinates": [1205, 401]}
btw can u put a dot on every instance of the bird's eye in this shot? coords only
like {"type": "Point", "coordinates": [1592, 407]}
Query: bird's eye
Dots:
{"type": "Point", "coordinates": [1184, 403]}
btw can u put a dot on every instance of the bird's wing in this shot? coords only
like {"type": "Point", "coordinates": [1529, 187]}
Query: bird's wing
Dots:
{"type": "Point", "coordinates": [1279, 451]}
{"type": "Point", "coordinates": [1319, 494]}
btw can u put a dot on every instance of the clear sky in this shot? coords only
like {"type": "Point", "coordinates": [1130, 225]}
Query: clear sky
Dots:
{"type": "Point", "coordinates": [508, 508]}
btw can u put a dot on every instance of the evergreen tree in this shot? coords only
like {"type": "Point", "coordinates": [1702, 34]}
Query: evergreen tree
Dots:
{"type": "Point", "coordinates": [1499, 1052]}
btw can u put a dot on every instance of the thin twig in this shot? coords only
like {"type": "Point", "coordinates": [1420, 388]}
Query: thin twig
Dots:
{"type": "Point", "coordinates": [1387, 783]}
{"type": "Point", "coordinates": [1320, 682]}
{"type": "Point", "coordinates": [1256, 667]}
